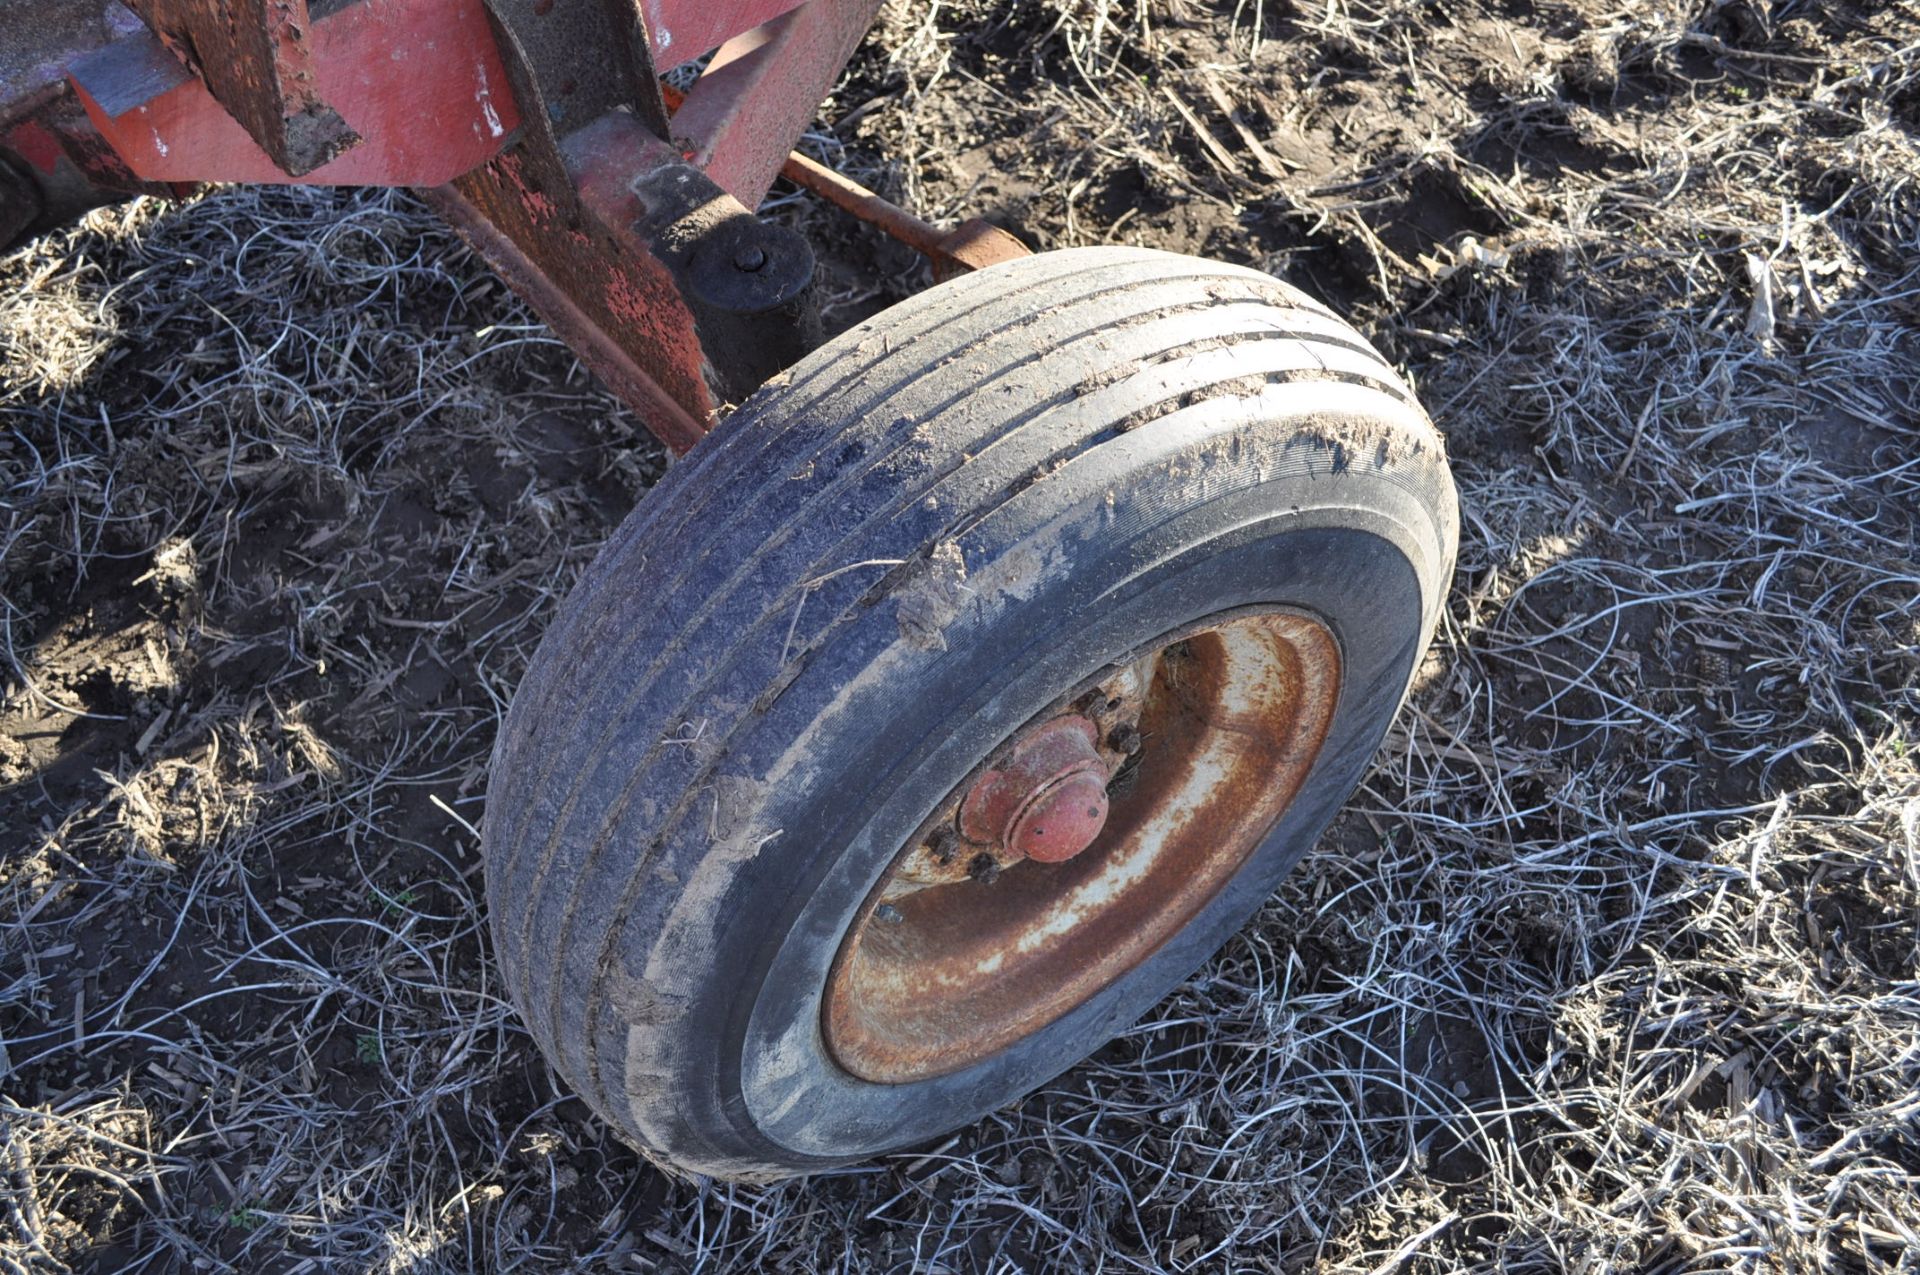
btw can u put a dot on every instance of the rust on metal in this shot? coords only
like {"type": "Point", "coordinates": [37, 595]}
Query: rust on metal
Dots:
{"type": "Point", "coordinates": [1048, 799]}
{"type": "Point", "coordinates": [594, 56]}
{"type": "Point", "coordinates": [1231, 715]}
{"type": "Point", "coordinates": [254, 57]}
{"type": "Point", "coordinates": [606, 294]}
{"type": "Point", "coordinates": [560, 229]}
{"type": "Point", "coordinates": [972, 245]}
{"type": "Point", "coordinates": [665, 417]}
{"type": "Point", "coordinates": [420, 81]}
{"type": "Point", "coordinates": [743, 115]}
{"type": "Point", "coordinates": [631, 254]}
{"type": "Point", "coordinates": [588, 57]}
{"type": "Point", "coordinates": [524, 121]}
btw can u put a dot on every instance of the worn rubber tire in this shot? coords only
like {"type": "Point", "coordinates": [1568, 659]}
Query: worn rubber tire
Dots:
{"type": "Point", "coordinates": [873, 573]}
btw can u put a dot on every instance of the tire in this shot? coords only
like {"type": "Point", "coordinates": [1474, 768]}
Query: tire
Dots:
{"type": "Point", "coordinates": [888, 563]}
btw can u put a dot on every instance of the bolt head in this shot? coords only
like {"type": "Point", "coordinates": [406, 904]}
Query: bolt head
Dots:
{"type": "Point", "coordinates": [944, 844]}
{"type": "Point", "coordinates": [750, 258]}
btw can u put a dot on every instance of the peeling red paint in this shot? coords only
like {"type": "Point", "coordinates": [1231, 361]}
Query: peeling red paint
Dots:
{"type": "Point", "coordinates": [539, 207]}
{"type": "Point", "coordinates": [626, 301]}
{"type": "Point", "coordinates": [419, 81]}
{"type": "Point", "coordinates": [32, 141]}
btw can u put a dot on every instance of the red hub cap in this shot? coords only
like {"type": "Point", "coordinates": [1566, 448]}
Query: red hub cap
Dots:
{"type": "Point", "coordinates": [1049, 801]}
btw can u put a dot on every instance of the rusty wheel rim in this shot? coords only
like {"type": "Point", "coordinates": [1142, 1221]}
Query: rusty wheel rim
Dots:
{"type": "Point", "coordinates": [964, 948]}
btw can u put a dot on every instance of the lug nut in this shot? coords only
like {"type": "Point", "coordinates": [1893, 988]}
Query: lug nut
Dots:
{"type": "Point", "coordinates": [1124, 738]}
{"type": "Point", "coordinates": [749, 259]}
{"type": "Point", "coordinates": [943, 845]}
{"type": "Point", "coordinates": [985, 869]}
{"type": "Point", "coordinates": [888, 913]}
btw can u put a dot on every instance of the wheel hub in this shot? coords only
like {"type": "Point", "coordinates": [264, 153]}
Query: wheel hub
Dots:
{"type": "Point", "coordinates": [1081, 845]}
{"type": "Point", "coordinates": [1048, 802]}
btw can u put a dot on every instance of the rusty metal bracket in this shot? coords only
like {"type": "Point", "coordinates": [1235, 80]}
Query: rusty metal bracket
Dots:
{"type": "Point", "coordinates": [253, 57]}
{"type": "Point", "coordinates": [972, 245]}
{"type": "Point", "coordinates": [762, 89]}
{"type": "Point", "coordinates": [588, 57]}
{"type": "Point", "coordinates": [748, 282]}
{"type": "Point", "coordinates": [677, 296]}
{"type": "Point", "coordinates": [633, 51]}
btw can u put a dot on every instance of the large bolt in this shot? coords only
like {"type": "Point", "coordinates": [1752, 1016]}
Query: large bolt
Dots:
{"type": "Point", "coordinates": [1048, 800]}
{"type": "Point", "coordinates": [944, 844]}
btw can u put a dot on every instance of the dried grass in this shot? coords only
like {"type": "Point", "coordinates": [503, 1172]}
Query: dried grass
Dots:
{"type": "Point", "coordinates": [1613, 963]}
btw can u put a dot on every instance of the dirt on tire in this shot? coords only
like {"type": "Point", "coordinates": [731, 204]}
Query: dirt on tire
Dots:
{"type": "Point", "coordinates": [1611, 963]}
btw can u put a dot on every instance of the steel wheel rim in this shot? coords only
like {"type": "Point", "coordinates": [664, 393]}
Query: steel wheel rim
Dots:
{"type": "Point", "coordinates": [951, 960]}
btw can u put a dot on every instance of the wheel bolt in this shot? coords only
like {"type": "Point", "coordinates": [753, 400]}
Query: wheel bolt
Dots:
{"type": "Point", "coordinates": [944, 844]}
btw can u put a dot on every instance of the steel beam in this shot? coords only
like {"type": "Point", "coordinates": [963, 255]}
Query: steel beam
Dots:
{"type": "Point", "coordinates": [255, 59]}
{"type": "Point", "coordinates": [762, 89]}
{"type": "Point", "coordinates": [421, 84]}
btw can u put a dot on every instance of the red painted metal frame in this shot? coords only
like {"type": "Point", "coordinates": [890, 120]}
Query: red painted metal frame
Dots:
{"type": "Point", "coordinates": [739, 119]}
{"type": "Point", "coordinates": [516, 122]}
{"type": "Point", "coordinates": [572, 318]}
{"type": "Point", "coordinates": [255, 59]}
{"type": "Point", "coordinates": [422, 85]}
{"type": "Point", "coordinates": [682, 30]}
{"type": "Point", "coordinates": [591, 228]}
{"type": "Point", "coordinates": [65, 152]}
{"type": "Point", "coordinates": [559, 229]}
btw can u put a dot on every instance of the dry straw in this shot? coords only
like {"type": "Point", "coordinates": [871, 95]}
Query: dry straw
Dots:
{"type": "Point", "coordinates": [1611, 964]}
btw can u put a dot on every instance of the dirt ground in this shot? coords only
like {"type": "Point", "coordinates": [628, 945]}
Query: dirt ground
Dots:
{"type": "Point", "coordinates": [1611, 965]}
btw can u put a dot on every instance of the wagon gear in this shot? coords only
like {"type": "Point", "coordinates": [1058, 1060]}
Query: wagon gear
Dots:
{"type": "Point", "coordinates": [1031, 631]}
